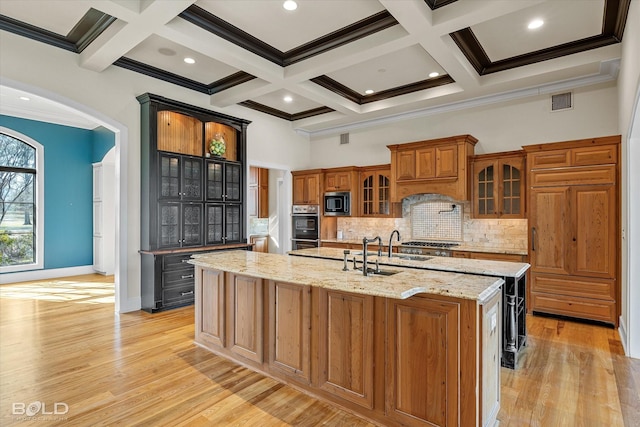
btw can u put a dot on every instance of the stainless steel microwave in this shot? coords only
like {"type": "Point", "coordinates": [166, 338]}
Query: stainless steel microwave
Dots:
{"type": "Point", "coordinates": [337, 204]}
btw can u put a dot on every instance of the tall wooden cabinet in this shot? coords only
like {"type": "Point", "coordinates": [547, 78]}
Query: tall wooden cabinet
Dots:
{"type": "Point", "coordinates": [574, 228]}
{"type": "Point", "coordinates": [191, 201]}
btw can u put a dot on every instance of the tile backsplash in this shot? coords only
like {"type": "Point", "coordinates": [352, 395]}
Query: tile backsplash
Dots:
{"type": "Point", "coordinates": [434, 219]}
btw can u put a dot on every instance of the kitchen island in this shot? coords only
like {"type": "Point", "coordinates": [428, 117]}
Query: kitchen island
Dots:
{"type": "Point", "coordinates": [412, 348]}
{"type": "Point", "coordinates": [514, 292]}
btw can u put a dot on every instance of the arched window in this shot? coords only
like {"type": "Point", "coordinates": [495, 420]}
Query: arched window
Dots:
{"type": "Point", "coordinates": [21, 202]}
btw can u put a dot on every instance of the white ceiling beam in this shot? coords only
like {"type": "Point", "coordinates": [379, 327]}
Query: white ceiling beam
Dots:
{"type": "Point", "coordinates": [117, 41]}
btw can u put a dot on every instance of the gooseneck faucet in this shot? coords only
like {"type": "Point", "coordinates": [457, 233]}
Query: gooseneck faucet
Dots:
{"type": "Point", "coordinates": [391, 238]}
{"type": "Point", "coordinates": [365, 242]}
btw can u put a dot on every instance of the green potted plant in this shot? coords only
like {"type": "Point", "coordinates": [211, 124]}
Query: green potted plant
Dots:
{"type": "Point", "coordinates": [217, 145]}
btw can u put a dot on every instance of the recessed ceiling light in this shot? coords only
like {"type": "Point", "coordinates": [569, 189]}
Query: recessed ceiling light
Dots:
{"type": "Point", "coordinates": [368, 91]}
{"type": "Point", "coordinates": [189, 60]}
{"type": "Point", "coordinates": [25, 98]}
{"type": "Point", "coordinates": [290, 5]}
{"type": "Point", "coordinates": [166, 51]}
{"type": "Point", "coordinates": [434, 74]}
{"type": "Point", "coordinates": [536, 23]}
{"type": "Point", "coordinates": [287, 98]}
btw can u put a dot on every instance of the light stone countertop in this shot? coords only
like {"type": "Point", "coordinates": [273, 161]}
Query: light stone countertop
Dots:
{"type": "Point", "coordinates": [457, 265]}
{"type": "Point", "coordinates": [327, 273]}
{"type": "Point", "coordinates": [463, 247]}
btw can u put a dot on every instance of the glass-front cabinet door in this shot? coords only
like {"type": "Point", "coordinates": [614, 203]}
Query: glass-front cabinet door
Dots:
{"type": "Point", "coordinates": [215, 181]}
{"type": "Point", "coordinates": [375, 184]}
{"type": "Point", "coordinates": [169, 177]}
{"type": "Point", "coordinates": [233, 182]}
{"type": "Point", "coordinates": [498, 185]}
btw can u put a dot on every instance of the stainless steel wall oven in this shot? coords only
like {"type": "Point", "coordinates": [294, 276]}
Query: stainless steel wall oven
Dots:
{"type": "Point", "coordinates": [305, 223]}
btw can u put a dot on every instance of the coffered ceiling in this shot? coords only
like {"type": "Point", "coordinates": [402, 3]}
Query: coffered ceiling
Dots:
{"type": "Point", "coordinates": [330, 65]}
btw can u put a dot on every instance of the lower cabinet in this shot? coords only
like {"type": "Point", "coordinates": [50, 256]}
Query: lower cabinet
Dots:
{"type": "Point", "coordinates": [289, 328]}
{"type": "Point", "coordinates": [244, 317]}
{"type": "Point", "coordinates": [345, 343]}
{"type": "Point", "coordinates": [167, 278]}
{"type": "Point", "coordinates": [397, 362]}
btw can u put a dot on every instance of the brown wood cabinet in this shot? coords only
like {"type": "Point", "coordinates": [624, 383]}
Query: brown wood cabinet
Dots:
{"type": "Point", "coordinates": [306, 187]}
{"type": "Point", "coordinates": [260, 243]}
{"type": "Point", "coordinates": [245, 317]}
{"type": "Point", "coordinates": [433, 166]}
{"type": "Point", "coordinates": [258, 197]}
{"type": "Point", "coordinates": [340, 179]}
{"type": "Point", "coordinates": [398, 362]}
{"type": "Point", "coordinates": [499, 185]}
{"type": "Point", "coordinates": [375, 191]}
{"type": "Point", "coordinates": [574, 225]}
{"type": "Point", "coordinates": [289, 330]}
{"type": "Point", "coordinates": [345, 341]}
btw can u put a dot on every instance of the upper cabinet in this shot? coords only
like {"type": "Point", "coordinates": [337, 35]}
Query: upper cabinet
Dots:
{"type": "Point", "coordinates": [434, 166]}
{"type": "Point", "coordinates": [499, 185]}
{"type": "Point", "coordinates": [340, 179]}
{"type": "Point", "coordinates": [375, 187]}
{"type": "Point", "coordinates": [306, 187]}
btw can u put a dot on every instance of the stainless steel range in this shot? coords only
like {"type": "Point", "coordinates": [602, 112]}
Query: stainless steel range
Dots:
{"type": "Point", "coordinates": [422, 247]}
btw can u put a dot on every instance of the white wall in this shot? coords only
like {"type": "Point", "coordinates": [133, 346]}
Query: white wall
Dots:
{"type": "Point", "coordinates": [500, 127]}
{"type": "Point", "coordinates": [629, 124]}
{"type": "Point", "coordinates": [112, 94]}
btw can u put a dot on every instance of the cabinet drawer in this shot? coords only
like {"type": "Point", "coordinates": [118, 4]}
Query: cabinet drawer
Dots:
{"type": "Point", "coordinates": [173, 262]}
{"type": "Point", "coordinates": [573, 306]}
{"type": "Point", "coordinates": [178, 296]}
{"type": "Point", "coordinates": [171, 279]}
{"type": "Point", "coordinates": [574, 286]}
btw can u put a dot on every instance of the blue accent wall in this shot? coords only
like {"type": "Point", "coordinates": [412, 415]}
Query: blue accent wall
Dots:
{"type": "Point", "coordinates": [68, 187]}
{"type": "Point", "coordinates": [103, 141]}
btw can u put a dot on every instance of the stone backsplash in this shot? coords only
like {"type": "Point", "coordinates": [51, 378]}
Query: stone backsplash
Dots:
{"type": "Point", "coordinates": [480, 233]}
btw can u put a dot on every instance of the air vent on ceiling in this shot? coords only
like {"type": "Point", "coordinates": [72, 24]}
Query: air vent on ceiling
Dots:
{"type": "Point", "coordinates": [344, 138]}
{"type": "Point", "coordinates": [562, 101]}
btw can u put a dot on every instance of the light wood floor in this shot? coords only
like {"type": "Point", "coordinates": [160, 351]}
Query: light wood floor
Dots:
{"type": "Point", "coordinates": [60, 341]}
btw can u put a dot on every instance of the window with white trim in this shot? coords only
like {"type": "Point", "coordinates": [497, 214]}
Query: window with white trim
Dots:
{"type": "Point", "coordinates": [21, 202]}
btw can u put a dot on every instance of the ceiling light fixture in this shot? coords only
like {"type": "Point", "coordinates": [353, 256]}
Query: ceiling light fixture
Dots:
{"type": "Point", "coordinates": [290, 5]}
{"type": "Point", "coordinates": [189, 60]}
{"type": "Point", "coordinates": [434, 74]}
{"type": "Point", "coordinates": [287, 98]}
{"type": "Point", "coordinates": [368, 91]}
{"type": "Point", "coordinates": [536, 23]}
{"type": "Point", "coordinates": [25, 98]}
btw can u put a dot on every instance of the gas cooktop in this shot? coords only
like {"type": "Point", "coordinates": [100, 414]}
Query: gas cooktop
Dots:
{"type": "Point", "coordinates": [425, 244]}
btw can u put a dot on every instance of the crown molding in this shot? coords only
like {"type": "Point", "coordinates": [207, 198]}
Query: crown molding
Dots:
{"type": "Point", "coordinates": [608, 72]}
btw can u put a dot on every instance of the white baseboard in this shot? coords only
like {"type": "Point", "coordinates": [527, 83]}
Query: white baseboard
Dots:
{"type": "Point", "coordinates": [26, 276]}
{"type": "Point", "coordinates": [130, 304]}
{"type": "Point", "coordinates": [622, 331]}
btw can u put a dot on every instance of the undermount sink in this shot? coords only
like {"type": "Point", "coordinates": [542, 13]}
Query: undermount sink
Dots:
{"type": "Point", "coordinates": [412, 257]}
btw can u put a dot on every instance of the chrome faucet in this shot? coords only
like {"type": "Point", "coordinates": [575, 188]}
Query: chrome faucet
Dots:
{"type": "Point", "coordinates": [391, 238]}
{"type": "Point", "coordinates": [365, 242]}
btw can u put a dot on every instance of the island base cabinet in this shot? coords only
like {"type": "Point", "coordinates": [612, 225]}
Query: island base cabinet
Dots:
{"type": "Point", "coordinates": [428, 360]}
{"type": "Point", "coordinates": [210, 312]}
{"type": "Point", "coordinates": [289, 327]}
{"type": "Point", "coordinates": [346, 352]}
{"type": "Point", "coordinates": [245, 317]}
{"type": "Point", "coordinates": [422, 362]}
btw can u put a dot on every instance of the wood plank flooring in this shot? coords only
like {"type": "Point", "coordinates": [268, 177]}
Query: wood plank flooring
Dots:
{"type": "Point", "coordinates": [60, 341]}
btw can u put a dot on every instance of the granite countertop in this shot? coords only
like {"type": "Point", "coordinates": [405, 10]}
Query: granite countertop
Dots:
{"type": "Point", "coordinates": [327, 273]}
{"type": "Point", "coordinates": [462, 247]}
{"type": "Point", "coordinates": [457, 265]}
